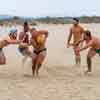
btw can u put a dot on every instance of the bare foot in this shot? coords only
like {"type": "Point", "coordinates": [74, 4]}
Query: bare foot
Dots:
{"type": "Point", "coordinates": [88, 72]}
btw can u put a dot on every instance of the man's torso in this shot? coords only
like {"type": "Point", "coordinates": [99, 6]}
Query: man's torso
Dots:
{"type": "Point", "coordinates": [77, 33]}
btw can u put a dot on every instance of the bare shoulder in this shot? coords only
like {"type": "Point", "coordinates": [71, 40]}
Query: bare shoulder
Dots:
{"type": "Point", "coordinates": [81, 27]}
{"type": "Point", "coordinates": [43, 31]}
{"type": "Point", "coordinates": [94, 39]}
{"type": "Point", "coordinates": [91, 42]}
{"type": "Point", "coordinates": [71, 28]}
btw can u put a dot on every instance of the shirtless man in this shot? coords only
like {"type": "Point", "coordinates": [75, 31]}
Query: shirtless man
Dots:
{"type": "Point", "coordinates": [77, 32]}
{"type": "Point", "coordinates": [93, 43]}
{"type": "Point", "coordinates": [11, 39]}
{"type": "Point", "coordinates": [23, 47]}
{"type": "Point", "coordinates": [39, 52]}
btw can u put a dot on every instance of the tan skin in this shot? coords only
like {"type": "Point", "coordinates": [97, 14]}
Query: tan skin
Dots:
{"type": "Point", "coordinates": [26, 29]}
{"type": "Point", "coordinates": [25, 43]}
{"type": "Point", "coordinates": [5, 42]}
{"type": "Point", "coordinates": [77, 32]}
{"type": "Point", "coordinates": [38, 60]}
{"type": "Point", "coordinates": [8, 41]}
{"type": "Point", "coordinates": [92, 43]}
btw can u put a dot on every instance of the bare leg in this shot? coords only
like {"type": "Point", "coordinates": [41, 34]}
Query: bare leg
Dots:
{"type": "Point", "coordinates": [40, 60]}
{"type": "Point", "coordinates": [37, 69]}
{"type": "Point", "coordinates": [34, 59]}
{"type": "Point", "coordinates": [24, 60]}
{"type": "Point", "coordinates": [78, 60]}
{"type": "Point", "coordinates": [33, 69]}
{"type": "Point", "coordinates": [90, 55]}
{"type": "Point", "coordinates": [89, 63]}
{"type": "Point", "coordinates": [77, 56]}
{"type": "Point", "coordinates": [2, 58]}
{"type": "Point", "coordinates": [27, 53]}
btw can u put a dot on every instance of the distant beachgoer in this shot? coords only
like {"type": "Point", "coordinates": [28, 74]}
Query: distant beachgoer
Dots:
{"type": "Point", "coordinates": [93, 43]}
{"type": "Point", "coordinates": [11, 39]}
{"type": "Point", "coordinates": [38, 41]}
{"type": "Point", "coordinates": [77, 32]}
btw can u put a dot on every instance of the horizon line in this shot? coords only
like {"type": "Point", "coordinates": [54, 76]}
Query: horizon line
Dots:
{"type": "Point", "coordinates": [12, 15]}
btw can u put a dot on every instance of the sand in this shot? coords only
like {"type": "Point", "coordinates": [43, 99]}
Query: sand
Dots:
{"type": "Point", "coordinates": [59, 78]}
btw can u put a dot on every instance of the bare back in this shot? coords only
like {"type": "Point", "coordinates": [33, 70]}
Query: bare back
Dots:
{"type": "Point", "coordinates": [95, 42]}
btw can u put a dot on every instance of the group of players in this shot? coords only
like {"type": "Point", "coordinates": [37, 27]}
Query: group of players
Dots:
{"type": "Point", "coordinates": [79, 37]}
{"type": "Point", "coordinates": [38, 41]}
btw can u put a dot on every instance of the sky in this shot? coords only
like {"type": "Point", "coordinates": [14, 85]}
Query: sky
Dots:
{"type": "Point", "coordinates": [40, 8]}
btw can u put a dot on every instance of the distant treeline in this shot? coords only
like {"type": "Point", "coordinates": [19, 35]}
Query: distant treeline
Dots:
{"type": "Point", "coordinates": [68, 20]}
{"type": "Point", "coordinates": [15, 20]}
{"type": "Point", "coordinates": [50, 20]}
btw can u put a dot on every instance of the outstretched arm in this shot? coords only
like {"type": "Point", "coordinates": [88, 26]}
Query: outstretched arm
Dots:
{"type": "Point", "coordinates": [86, 46]}
{"type": "Point", "coordinates": [14, 41]}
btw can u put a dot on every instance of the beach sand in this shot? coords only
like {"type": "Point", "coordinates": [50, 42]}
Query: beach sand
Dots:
{"type": "Point", "coordinates": [59, 78]}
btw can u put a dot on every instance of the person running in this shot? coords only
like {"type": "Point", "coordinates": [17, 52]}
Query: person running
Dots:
{"type": "Point", "coordinates": [93, 43]}
{"type": "Point", "coordinates": [38, 41]}
{"type": "Point", "coordinates": [77, 32]}
{"type": "Point", "coordinates": [10, 39]}
{"type": "Point", "coordinates": [23, 47]}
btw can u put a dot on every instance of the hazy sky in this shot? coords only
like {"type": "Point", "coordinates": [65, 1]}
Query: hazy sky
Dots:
{"type": "Point", "coordinates": [50, 7]}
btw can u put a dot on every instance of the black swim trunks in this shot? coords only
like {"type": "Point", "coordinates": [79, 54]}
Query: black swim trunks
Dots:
{"type": "Point", "coordinates": [38, 52]}
{"type": "Point", "coordinates": [0, 49]}
{"type": "Point", "coordinates": [21, 50]}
